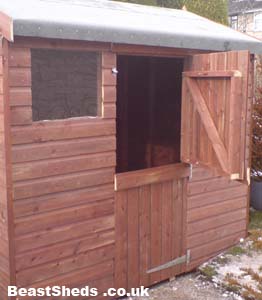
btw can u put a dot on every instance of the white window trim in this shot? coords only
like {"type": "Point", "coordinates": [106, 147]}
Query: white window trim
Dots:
{"type": "Point", "coordinates": [258, 18]}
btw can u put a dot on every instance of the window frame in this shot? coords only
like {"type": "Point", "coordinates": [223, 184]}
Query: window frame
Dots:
{"type": "Point", "coordinates": [100, 101]}
{"type": "Point", "coordinates": [234, 20]}
{"type": "Point", "coordinates": [258, 17]}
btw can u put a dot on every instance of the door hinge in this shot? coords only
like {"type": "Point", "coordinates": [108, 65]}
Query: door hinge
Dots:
{"type": "Point", "coordinates": [177, 261]}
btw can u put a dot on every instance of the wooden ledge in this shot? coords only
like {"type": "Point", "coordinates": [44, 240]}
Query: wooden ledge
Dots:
{"type": "Point", "coordinates": [213, 74]}
{"type": "Point", "coordinates": [139, 178]}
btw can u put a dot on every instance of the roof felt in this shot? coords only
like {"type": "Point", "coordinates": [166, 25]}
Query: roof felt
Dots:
{"type": "Point", "coordinates": [116, 22]}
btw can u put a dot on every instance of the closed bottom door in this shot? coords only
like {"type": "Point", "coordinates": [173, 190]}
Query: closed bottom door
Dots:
{"type": "Point", "coordinates": [150, 224]}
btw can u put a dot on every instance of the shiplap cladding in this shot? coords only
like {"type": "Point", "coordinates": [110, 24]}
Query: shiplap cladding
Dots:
{"type": "Point", "coordinates": [63, 188]}
{"type": "Point", "coordinates": [7, 277]}
{"type": "Point", "coordinates": [216, 214]}
{"type": "Point", "coordinates": [63, 173]}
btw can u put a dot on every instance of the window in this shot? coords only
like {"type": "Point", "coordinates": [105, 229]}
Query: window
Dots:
{"type": "Point", "coordinates": [65, 84]}
{"type": "Point", "coordinates": [234, 22]}
{"type": "Point", "coordinates": [258, 22]}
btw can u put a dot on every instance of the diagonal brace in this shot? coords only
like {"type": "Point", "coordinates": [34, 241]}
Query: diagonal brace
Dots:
{"type": "Point", "coordinates": [208, 123]}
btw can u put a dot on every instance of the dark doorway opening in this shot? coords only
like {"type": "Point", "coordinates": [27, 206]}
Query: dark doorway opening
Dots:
{"type": "Point", "coordinates": [148, 111]}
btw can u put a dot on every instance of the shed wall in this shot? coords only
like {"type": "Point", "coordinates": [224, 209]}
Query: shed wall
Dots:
{"type": "Point", "coordinates": [63, 173]}
{"type": "Point", "coordinates": [63, 186]}
{"type": "Point", "coordinates": [216, 216]}
{"type": "Point", "coordinates": [7, 275]}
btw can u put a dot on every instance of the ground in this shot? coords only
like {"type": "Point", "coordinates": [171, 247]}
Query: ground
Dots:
{"type": "Point", "coordinates": [192, 286]}
{"type": "Point", "coordinates": [233, 275]}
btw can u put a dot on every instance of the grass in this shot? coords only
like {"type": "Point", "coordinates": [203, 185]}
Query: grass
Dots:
{"type": "Point", "coordinates": [208, 271]}
{"type": "Point", "coordinates": [250, 294]}
{"type": "Point", "coordinates": [236, 250]}
{"type": "Point", "coordinates": [252, 245]}
{"type": "Point", "coordinates": [255, 229]}
{"type": "Point", "coordinates": [221, 260]}
{"type": "Point", "coordinates": [254, 275]}
{"type": "Point", "coordinates": [231, 284]}
{"type": "Point", "coordinates": [255, 220]}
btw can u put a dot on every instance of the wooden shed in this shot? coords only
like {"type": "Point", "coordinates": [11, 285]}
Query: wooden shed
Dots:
{"type": "Point", "coordinates": [125, 142]}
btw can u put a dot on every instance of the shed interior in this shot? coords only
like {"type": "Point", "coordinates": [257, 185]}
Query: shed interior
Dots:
{"type": "Point", "coordinates": [148, 111]}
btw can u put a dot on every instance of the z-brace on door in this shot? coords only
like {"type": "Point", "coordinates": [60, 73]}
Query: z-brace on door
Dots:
{"type": "Point", "coordinates": [214, 106]}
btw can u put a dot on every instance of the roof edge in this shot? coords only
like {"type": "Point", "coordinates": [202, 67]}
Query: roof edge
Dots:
{"type": "Point", "coordinates": [6, 27]}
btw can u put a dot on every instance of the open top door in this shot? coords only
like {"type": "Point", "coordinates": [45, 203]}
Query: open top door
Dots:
{"type": "Point", "coordinates": [214, 108]}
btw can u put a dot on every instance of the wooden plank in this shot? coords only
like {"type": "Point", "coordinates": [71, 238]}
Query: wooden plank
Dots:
{"type": "Point", "coordinates": [57, 201]}
{"type": "Point", "coordinates": [238, 114]}
{"type": "Point", "coordinates": [43, 43]}
{"type": "Point", "coordinates": [65, 148]}
{"type": "Point", "coordinates": [38, 187]}
{"type": "Point", "coordinates": [133, 238]}
{"type": "Point", "coordinates": [109, 111]}
{"type": "Point", "coordinates": [81, 276]}
{"type": "Point", "coordinates": [55, 235]}
{"type": "Point", "coordinates": [104, 283]}
{"type": "Point", "coordinates": [62, 129]}
{"type": "Point", "coordinates": [203, 199]}
{"type": "Point", "coordinates": [6, 27]}
{"type": "Point", "coordinates": [109, 94]}
{"type": "Point", "coordinates": [234, 239]}
{"type": "Point", "coordinates": [144, 233]}
{"type": "Point", "coordinates": [20, 57]}
{"type": "Point", "coordinates": [197, 134]}
{"type": "Point", "coordinates": [108, 78]}
{"type": "Point", "coordinates": [64, 216]}
{"type": "Point", "coordinates": [215, 209]}
{"type": "Point", "coordinates": [38, 169]}
{"type": "Point", "coordinates": [6, 200]}
{"type": "Point", "coordinates": [183, 231]}
{"type": "Point", "coordinates": [167, 220]}
{"type": "Point", "coordinates": [207, 121]}
{"type": "Point", "coordinates": [152, 50]}
{"type": "Point", "coordinates": [215, 221]}
{"type": "Point", "coordinates": [108, 60]}
{"type": "Point", "coordinates": [212, 90]}
{"type": "Point", "coordinates": [1, 65]}
{"type": "Point", "coordinates": [185, 124]}
{"type": "Point", "coordinates": [1, 85]}
{"type": "Point", "coordinates": [216, 246]}
{"type": "Point", "coordinates": [67, 265]}
{"type": "Point", "coordinates": [1, 104]}
{"type": "Point", "coordinates": [177, 223]}
{"type": "Point", "coordinates": [61, 250]}
{"type": "Point", "coordinates": [201, 172]}
{"type": "Point", "coordinates": [21, 115]}
{"type": "Point", "coordinates": [213, 184]}
{"type": "Point", "coordinates": [151, 175]}
{"type": "Point", "coordinates": [19, 77]}
{"type": "Point", "coordinates": [20, 96]}
{"type": "Point", "coordinates": [121, 271]}
{"type": "Point", "coordinates": [215, 234]}
{"type": "Point", "coordinates": [235, 124]}
{"type": "Point", "coordinates": [155, 231]}
{"type": "Point", "coordinates": [213, 73]}
{"type": "Point", "coordinates": [249, 136]}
